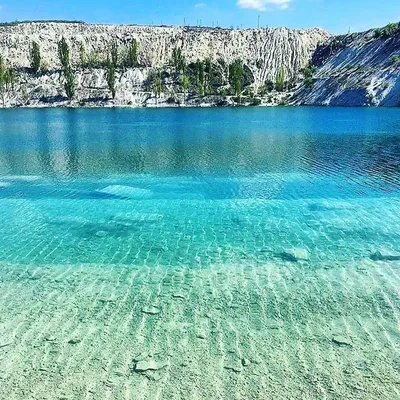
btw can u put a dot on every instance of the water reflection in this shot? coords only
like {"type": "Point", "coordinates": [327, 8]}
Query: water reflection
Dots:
{"type": "Point", "coordinates": [44, 150]}
{"type": "Point", "coordinates": [77, 143]}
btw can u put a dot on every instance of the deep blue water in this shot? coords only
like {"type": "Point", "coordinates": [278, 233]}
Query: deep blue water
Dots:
{"type": "Point", "coordinates": [197, 186]}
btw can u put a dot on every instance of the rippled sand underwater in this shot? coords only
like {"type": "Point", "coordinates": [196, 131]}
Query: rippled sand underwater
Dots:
{"type": "Point", "coordinates": [274, 331]}
{"type": "Point", "coordinates": [156, 267]}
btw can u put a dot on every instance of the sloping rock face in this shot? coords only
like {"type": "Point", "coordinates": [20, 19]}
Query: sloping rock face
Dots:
{"type": "Point", "coordinates": [355, 70]}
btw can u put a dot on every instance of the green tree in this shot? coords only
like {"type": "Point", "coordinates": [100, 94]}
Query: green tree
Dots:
{"type": "Point", "coordinates": [280, 81]}
{"type": "Point", "coordinates": [82, 55]}
{"type": "Point", "coordinates": [114, 54]}
{"type": "Point", "coordinates": [157, 85]}
{"type": "Point", "coordinates": [63, 53]}
{"type": "Point", "coordinates": [209, 69]}
{"type": "Point", "coordinates": [200, 77]}
{"type": "Point", "coordinates": [69, 83]}
{"type": "Point", "coordinates": [110, 76]}
{"type": "Point", "coordinates": [34, 56]}
{"type": "Point", "coordinates": [2, 79]}
{"type": "Point", "coordinates": [236, 77]}
{"type": "Point", "coordinates": [185, 83]}
{"type": "Point", "coordinates": [308, 73]}
{"type": "Point", "coordinates": [178, 60]}
{"type": "Point", "coordinates": [132, 56]}
{"type": "Point", "coordinates": [7, 79]}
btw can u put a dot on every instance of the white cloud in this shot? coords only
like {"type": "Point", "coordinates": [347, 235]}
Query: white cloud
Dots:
{"type": "Point", "coordinates": [200, 5]}
{"type": "Point", "coordinates": [261, 5]}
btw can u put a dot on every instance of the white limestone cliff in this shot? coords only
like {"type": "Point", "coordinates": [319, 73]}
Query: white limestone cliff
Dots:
{"type": "Point", "coordinates": [263, 51]}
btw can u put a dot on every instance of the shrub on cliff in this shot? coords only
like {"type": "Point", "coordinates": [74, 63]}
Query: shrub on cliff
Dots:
{"type": "Point", "coordinates": [266, 88]}
{"type": "Point", "coordinates": [388, 31]}
{"type": "Point", "coordinates": [95, 60]}
{"type": "Point", "coordinates": [35, 57]}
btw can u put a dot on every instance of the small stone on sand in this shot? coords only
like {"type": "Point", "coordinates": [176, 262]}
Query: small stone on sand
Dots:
{"type": "Point", "coordinates": [341, 341]}
{"type": "Point", "coordinates": [101, 233]}
{"type": "Point", "coordinates": [385, 255]}
{"type": "Point", "coordinates": [295, 255]}
{"type": "Point", "coordinates": [143, 366]}
{"type": "Point", "coordinates": [233, 368]}
{"type": "Point", "coordinates": [74, 341]}
{"type": "Point", "coordinates": [151, 310]}
{"type": "Point", "coordinates": [178, 296]}
{"type": "Point", "coordinates": [245, 362]}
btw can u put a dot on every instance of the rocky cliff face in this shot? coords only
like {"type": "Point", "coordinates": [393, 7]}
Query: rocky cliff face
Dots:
{"type": "Point", "coordinates": [263, 51]}
{"type": "Point", "coordinates": [360, 69]}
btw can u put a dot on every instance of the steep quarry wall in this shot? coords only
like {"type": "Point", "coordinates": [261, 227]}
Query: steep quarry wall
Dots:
{"type": "Point", "coordinates": [264, 51]}
{"type": "Point", "coordinates": [361, 69]}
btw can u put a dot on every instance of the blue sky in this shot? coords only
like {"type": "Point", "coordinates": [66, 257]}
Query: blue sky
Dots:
{"type": "Point", "coordinates": [336, 16]}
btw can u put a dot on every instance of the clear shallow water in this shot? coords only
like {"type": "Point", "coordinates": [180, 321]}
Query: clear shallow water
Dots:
{"type": "Point", "coordinates": [197, 187]}
{"type": "Point", "coordinates": [141, 254]}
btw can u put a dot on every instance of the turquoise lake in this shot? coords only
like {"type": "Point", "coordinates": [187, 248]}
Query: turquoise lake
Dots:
{"type": "Point", "coordinates": [247, 253]}
{"type": "Point", "coordinates": [197, 186]}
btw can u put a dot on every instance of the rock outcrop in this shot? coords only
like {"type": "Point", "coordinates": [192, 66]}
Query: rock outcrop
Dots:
{"type": "Point", "coordinates": [361, 69]}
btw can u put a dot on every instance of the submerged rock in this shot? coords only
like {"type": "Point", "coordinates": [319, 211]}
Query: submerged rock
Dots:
{"type": "Point", "coordinates": [128, 192]}
{"type": "Point", "coordinates": [295, 255]}
{"type": "Point", "coordinates": [234, 368]}
{"type": "Point", "coordinates": [385, 255]}
{"type": "Point", "coordinates": [341, 341]}
{"type": "Point", "coordinates": [151, 310]}
{"type": "Point", "coordinates": [101, 234]}
{"type": "Point", "coordinates": [201, 335]}
{"type": "Point", "coordinates": [179, 296]}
